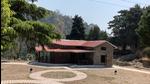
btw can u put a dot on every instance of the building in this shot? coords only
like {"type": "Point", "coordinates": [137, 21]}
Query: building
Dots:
{"type": "Point", "coordinates": [76, 52]}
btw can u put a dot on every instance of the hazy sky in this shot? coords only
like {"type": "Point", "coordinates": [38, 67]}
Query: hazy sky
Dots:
{"type": "Point", "coordinates": [99, 12]}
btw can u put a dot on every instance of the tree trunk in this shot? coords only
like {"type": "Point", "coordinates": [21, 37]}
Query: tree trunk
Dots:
{"type": "Point", "coordinates": [20, 40]}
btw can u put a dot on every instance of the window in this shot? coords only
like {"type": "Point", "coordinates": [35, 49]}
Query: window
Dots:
{"type": "Point", "coordinates": [103, 48]}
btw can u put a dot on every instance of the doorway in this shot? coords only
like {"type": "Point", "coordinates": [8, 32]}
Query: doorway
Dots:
{"type": "Point", "coordinates": [103, 59]}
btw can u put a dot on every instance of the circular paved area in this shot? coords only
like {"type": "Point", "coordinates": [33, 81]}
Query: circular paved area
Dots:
{"type": "Point", "coordinates": [38, 75]}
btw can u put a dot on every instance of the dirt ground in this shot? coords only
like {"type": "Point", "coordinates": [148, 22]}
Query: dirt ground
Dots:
{"type": "Point", "coordinates": [17, 72]}
{"type": "Point", "coordinates": [104, 76]}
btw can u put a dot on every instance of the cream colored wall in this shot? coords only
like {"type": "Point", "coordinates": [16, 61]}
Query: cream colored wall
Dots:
{"type": "Point", "coordinates": [99, 52]}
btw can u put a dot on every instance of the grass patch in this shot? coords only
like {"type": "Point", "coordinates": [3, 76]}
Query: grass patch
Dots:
{"type": "Point", "coordinates": [59, 75]}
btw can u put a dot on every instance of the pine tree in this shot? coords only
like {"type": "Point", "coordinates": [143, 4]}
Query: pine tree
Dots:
{"type": "Point", "coordinates": [77, 32]}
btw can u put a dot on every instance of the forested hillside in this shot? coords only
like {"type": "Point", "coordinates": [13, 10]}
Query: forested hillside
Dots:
{"type": "Point", "coordinates": [63, 23]}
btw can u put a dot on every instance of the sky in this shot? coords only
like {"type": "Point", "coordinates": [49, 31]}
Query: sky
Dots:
{"type": "Point", "coordinates": [98, 12]}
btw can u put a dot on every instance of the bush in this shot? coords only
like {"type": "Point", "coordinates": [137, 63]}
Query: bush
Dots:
{"type": "Point", "coordinates": [121, 63]}
{"type": "Point", "coordinates": [146, 52]}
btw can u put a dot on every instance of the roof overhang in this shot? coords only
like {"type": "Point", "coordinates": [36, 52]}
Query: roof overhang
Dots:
{"type": "Point", "coordinates": [39, 48]}
{"type": "Point", "coordinates": [69, 50]}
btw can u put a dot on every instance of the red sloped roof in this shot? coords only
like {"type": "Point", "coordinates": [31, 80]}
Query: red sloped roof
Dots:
{"type": "Point", "coordinates": [73, 43]}
{"type": "Point", "coordinates": [69, 42]}
{"type": "Point", "coordinates": [78, 43]}
{"type": "Point", "coordinates": [93, 43]}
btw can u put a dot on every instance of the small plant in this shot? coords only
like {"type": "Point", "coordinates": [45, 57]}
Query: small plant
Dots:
{"type": "Point", "coordinates": [30, 57]}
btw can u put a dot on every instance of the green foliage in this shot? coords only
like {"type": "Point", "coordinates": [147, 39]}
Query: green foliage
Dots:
{"type": "Point", "coordinates": [146, 52]}
{"type": "Point", "coordinates": [7, 36]}
{"type": "Point", "coordinates": [6, 13]}
{"type": "Point", "coordinates": [124, 26]}
{"type": "Point", "coordinates": [14, 21]}
{"type": "Point", "coordinates": [7, 33]}
{"type": "Point", "coordinates": [19, 26]}
{"type": "Point", "coordinates": [78, 30]}
{"type": "Point", "coordinates": [26, 11]}
{"type": "Point", "coordinates": [96, 34]}
{"type": "Point", "coordinates": [144, 28]}
{"type": "Point", "coordinates": [23, 29]}
{"type": "Point", "coordinates": [103, 35]}
{"type": "Point", "coordinates": [35, 32]}
{"type": "Point", "coordinates": [43, 32]}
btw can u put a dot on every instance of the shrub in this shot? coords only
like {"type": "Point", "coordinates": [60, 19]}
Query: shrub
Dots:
{"type": "Point", "coordinates": [146, 52]}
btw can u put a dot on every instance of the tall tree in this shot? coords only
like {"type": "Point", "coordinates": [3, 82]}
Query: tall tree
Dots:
{"type": "Point", "coordinates": [94, 33]}
{"type": "Point", "coordinates": [124, 26]}
{"type": "Point", "coordinates": [144, 28]}
{"type": "Point", "coordinates": [78, 30]}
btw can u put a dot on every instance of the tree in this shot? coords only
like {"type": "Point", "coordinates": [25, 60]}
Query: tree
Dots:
{"type": "Point", "coordinates": [40, 33]}
{"type": "Point", "coordinates": [144, 28]}
{"type": "Point", "coordinates": [124, 26]}
{"type": "Point", "coordinates": [21, 25]}
{"type": "Point", "coordinates": [94, 33]}
{"type": "Point", "coordinates": [103, 35]}
{"type": "Point", "coordinates": [77, 32]}
{"type": "Point", "coordinates": [7, 33]}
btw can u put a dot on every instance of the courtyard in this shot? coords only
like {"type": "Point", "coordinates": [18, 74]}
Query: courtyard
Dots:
{"type": "Point", "coordinates": [18, 73]}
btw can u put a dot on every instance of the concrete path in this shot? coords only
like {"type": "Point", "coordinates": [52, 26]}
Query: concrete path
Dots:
{"type": "Point", "coordinates": [25, 63]}
{"type": "Point", "coordinates": [79, 75]}
{"type": "Point", "coordinates": [18, 63]}
{"type": "Point", "coordinates": [29, 82]}
{"type": "Point", "coordinates": [131, 69]}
